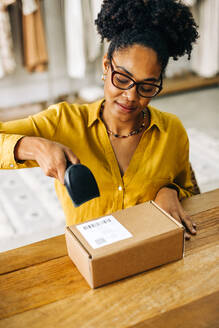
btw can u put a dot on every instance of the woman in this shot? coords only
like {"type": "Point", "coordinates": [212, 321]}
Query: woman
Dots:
{"type": "Point", "coordinates": [135, 152]}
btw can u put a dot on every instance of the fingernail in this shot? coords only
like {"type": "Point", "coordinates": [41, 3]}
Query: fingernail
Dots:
{"type": "Point", "coordinates": [193, 230]}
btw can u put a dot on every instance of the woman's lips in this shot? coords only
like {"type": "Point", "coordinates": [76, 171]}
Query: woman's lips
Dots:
{"type": "Point", "coordinates": [126, 107]}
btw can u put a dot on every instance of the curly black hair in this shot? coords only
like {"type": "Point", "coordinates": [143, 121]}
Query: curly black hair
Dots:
{"type": "Point", "coordinates": [166, 26]}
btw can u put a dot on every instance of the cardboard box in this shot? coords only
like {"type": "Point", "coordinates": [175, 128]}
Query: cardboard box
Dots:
{"type": "Point", "coordinates": [125, 243]}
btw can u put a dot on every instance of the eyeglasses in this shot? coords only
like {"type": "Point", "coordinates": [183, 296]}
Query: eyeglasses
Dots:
{"type": "Point", "coordinates": [144, 89]}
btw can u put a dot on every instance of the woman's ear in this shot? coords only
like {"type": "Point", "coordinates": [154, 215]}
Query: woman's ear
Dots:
{"type": "Point", "coordinates": [105, 64]}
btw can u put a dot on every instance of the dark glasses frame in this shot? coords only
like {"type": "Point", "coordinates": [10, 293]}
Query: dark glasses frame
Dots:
{"type": "Point", "coordinates": [160, 86]}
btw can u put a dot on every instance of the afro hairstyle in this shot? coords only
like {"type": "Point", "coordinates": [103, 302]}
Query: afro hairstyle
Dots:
{"type": "Point", "coordinates": [166, 26]}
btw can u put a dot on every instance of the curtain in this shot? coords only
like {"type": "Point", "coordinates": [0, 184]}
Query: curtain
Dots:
{"type": "Point", "coordinates": [205, 58]}
{"type": "Point", "coordinates": [7, 60]}
{"type": "Point", "coordinates": [82, 41]}
{"type": "Point", "coordinates": [74, 32]}
{"type": "Point", "coordinates": [92, 8]}
{"type": "Point", "coordinates": [35, 51]}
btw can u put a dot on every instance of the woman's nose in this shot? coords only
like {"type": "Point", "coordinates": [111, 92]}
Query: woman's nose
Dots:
{"type": "Point", "coordinates": [131, 93]}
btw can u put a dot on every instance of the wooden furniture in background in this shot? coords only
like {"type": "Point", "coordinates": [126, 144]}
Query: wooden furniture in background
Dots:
{"type": "Point", "coordinates": [41, 287]}
{"type": "Point", "coordinates": [187, 82]}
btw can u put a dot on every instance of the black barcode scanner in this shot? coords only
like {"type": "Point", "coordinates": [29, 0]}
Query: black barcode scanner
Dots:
{"type": "Point", "coordinates": [80, 183]}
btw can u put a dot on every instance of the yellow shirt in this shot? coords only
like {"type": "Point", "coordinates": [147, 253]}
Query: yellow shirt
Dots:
{"type": "Point", "coordinates": [161, 157]}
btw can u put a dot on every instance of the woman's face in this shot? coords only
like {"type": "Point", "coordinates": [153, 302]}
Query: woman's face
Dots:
{"type": "Point", "coordinates": [139, 63]}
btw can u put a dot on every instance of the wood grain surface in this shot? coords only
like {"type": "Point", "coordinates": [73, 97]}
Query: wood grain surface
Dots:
{"type": "Point", "coordinates": [42, 251]}
{"type": "Point", "coordinates": [201, 202]}
{"type": "Point", "coordinates": [41, 287]}
{"type": "Point", "coordinates": [190, 313]}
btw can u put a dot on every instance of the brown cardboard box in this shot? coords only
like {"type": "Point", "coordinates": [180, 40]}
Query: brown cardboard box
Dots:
{"type": "Point", "coordinates": [149, 237]}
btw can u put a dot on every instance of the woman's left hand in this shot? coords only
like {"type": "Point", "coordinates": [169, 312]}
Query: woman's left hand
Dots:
{"type": "Point", "coordinates": [168, 200]}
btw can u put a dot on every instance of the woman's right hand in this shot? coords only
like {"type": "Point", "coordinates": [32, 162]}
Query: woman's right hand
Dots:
{"type": "Point", "coordinates": [51, 156]}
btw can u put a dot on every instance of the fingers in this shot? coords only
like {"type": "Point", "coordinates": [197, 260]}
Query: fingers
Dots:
{"type": "Point", "coordinates": [168, 200]}
{"type": "Point", "coordinates": [51, 157]}
{"type": "Point", "coordinates": [176, 216]}
{"type": "Point", "coordinates": [183, 218]}
{"type": "Point", "coordinates": [187, 221]}
{"type": "Point", "coordinates": [187, 236]}
{"type": "Point", "coordinates": [71, 156]}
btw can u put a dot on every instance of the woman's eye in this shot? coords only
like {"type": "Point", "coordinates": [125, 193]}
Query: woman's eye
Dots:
{"type": "Point", "coordinates": [147, 88]}
{"type": "Point", "coordinates": [121, 80]}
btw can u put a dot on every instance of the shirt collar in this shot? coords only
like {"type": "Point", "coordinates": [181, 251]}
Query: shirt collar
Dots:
{"type": "Point", "coordinates": [156, 118]}
{"type": "Point", "coordinates": [155, 115]}
{"type": "Point", "coordinates": [94, 112]}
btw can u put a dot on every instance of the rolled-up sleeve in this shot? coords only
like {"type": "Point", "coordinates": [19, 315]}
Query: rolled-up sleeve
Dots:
{"type": "Point", "coordinates": [43, 125]}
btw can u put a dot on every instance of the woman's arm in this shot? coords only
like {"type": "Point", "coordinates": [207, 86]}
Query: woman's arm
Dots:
{"type": "Point", "coordinates": [168, 197]}
{"type": "Point", "coordinates": [50, 156]}
{"type": "Point", "coordinates": [183, 180]}
{"type": "Point", "coordinates": [168, 200]}
{"type": "Point", "coordinates": [28, 142]}
{"type": "Point", "coordinates": [42, 125]}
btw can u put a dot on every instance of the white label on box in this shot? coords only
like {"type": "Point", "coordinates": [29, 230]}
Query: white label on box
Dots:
{"type": "Point", "coordinates": [103, 231]}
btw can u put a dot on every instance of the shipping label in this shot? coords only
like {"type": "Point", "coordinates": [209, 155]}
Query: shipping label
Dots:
{"type": "Point", "coordinates": [103, 231]}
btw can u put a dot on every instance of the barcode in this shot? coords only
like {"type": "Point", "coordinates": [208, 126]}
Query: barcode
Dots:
{"type": "Point", "coordinates": [100, 241]}
{"type": "Point", "coordinates": [96, 224]}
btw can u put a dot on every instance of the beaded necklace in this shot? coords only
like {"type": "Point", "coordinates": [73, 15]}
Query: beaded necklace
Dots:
{"type": "Point", "coordinates": [132, 133]}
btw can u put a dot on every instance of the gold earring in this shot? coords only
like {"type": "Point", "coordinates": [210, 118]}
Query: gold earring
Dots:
{"type": "Point", "coordinates": [103, 77]}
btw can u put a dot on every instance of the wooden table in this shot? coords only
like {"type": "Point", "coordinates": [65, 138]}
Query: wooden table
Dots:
{"type": "Point", "coordinates": [41, 287]}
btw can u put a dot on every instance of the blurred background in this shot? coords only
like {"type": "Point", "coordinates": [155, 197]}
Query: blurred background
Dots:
{"type": "Point", "coordinates": [50, 52]}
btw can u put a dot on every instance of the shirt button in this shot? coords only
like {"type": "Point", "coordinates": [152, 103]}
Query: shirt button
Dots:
{"type": "Point", "coordinates": [11, 165]}
{"type": "Point", "coordinates": [120, 188]}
